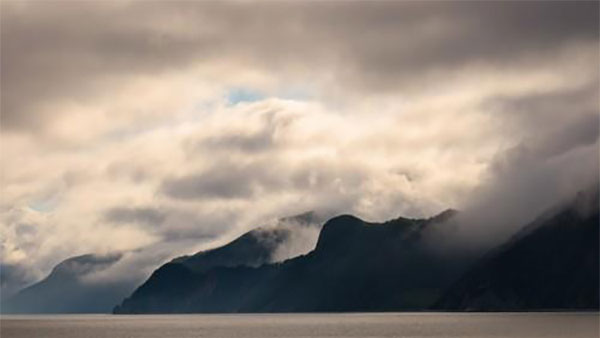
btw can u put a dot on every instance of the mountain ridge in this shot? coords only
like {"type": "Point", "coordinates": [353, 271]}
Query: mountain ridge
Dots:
{"type": "Point", "coordinates": [348, 249]}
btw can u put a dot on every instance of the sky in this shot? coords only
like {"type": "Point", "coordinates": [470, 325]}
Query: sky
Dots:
{"type": "Point", "coordinates": [165, 127]}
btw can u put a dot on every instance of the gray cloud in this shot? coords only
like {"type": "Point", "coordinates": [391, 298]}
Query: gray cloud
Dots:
{"type": "Point", "coordinates": [64, 52]}
{"type": "Point", "coordinates": [269, 133]}
{"type": "Point", "coordinates": [203, 226]}
{"type": "Point", "coordinates": [174, 224]}
{"type": "Point", "coordinates": [247, 143]}
{"type": "Point", "coordinates": [147, 216]}
{"type": "Point", "coordinates": [554, 157]}
{"type": "Point", "coordinates": [525, 182]}
{"type": "Point", "coordinates": [331, 185]}
{"type": "Point", "coordinates": [555, 107]}
{"type": "Point", "coordinates": [225, 180]}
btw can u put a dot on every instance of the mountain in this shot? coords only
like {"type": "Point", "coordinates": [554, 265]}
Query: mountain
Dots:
{"type": "Point", "coordinates": [259, 246]}
{"type": "Point", "coordinates": [73, 285]}
{"type": "Point", "coordinates": [67, 289]}
{"type": "Point", "coordinates": [552, 264]}
{"type": "Point", "coordinates": [355, 266]}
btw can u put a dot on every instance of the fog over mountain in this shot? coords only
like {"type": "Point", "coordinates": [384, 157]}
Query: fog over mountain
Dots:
{"type": "Point", "coordinates": [72, 288]}
{"type": "Point", "coordinates": [549, 265]}
{"type": "Point", "coordinates": [96, 283]}
{"type": "Point", "coordinates": [161, 129]}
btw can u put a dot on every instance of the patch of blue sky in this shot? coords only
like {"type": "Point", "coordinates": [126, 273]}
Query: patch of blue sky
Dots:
{"type": "Point", "coordinates": [44, 205]}
{"type": "Point", "coordinates": [242, 94]}
{"type": "Point", "coordinates": [237, 95]}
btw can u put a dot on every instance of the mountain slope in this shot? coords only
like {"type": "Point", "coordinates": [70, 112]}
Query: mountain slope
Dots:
{"type": "Point", "coordinates": [360, 266]}
{"type": "Point", "coordinates": [72, 286]}
{"type": "Point", "coordinates": [256, 247]}
{"type": "Point", "coordinates": [67, 290]}
{"type": "Point", "coordinates": [550, 265]}
{"type": "Point", "coordinates": [356, 266]}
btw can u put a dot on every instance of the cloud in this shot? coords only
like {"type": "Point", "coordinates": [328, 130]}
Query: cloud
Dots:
{"type": "Point", "coordinates": [238, 181]}
{"type": "Point", "coordinates": [524, 182]}
{"type": "Point", "coordinates": [301, 240]}
{"type": "Point", "coordinates": [135, 215]}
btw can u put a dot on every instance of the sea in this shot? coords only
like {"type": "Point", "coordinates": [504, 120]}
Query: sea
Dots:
{"type": "Point", "coordinates": [430, 325]}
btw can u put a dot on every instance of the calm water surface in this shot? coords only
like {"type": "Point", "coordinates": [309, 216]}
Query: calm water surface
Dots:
{"type": "Point", "coordinates": [303, 325]}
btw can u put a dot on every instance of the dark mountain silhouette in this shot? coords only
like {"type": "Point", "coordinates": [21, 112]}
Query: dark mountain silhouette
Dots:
{"type": "Point", "coordinates": [66, 289]}
{"type": "Point", "coordinates": [552, 264]}
{"type": "Point", "coordinates": [356, 266]}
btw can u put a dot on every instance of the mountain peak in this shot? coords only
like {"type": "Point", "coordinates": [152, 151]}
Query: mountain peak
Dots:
{"type": "Point", "coordinates": [444, 215]}
{"type": "Point", "coordinates": [337, 229]}
{"type": "Point", "coordinates": [81, 265]}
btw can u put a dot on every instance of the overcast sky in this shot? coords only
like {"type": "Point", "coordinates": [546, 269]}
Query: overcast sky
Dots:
{"type": "Point", "coordinates": [165, 126]}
